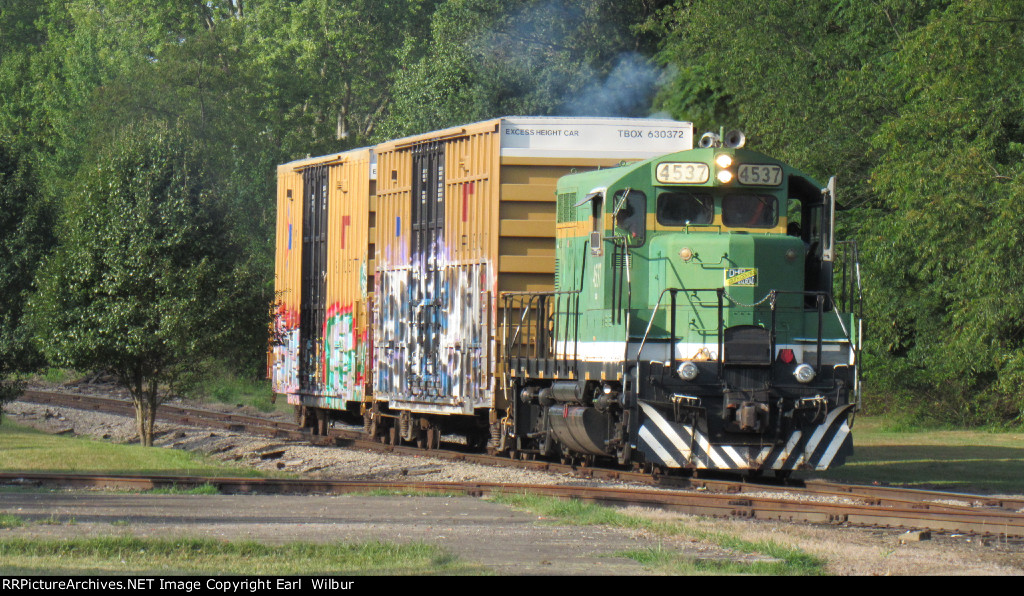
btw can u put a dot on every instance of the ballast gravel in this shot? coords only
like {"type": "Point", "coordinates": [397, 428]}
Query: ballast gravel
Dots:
{"type": "Point", "coordinates": [272, 455]}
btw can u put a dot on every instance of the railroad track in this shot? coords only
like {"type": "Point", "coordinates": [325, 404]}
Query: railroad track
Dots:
{"type": "Point", "coordinates": [810, 501]}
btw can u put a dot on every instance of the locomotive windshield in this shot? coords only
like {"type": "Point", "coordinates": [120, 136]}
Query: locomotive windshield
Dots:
{"type": "Point", "coordinates": [750, 211]}
{"type": "Point", "coordinates": [685, 209]}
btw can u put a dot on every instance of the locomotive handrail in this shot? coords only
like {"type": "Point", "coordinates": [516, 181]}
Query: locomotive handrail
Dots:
{"type": "Point", "coordinates": [771, 297]}
{"type": "Point", "coordinates": [820, 307]}
{"type": "Point", "coordinates": [543, 339]}
{"type": "Point", "coordinates": [549, 328]}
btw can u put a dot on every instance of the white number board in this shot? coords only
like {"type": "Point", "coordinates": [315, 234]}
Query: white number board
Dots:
{"type": "Point", "coordinates": [676, 172]}
{"type": "Point", "coordinates": [753, 174]}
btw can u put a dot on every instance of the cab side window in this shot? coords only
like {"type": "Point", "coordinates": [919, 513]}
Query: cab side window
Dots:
{"type": "Point", "coordinates": [631, 215]}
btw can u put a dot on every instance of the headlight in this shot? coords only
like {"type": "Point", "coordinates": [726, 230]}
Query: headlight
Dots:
{"type": "Point", "coordinates": [687, 371]}
{"type": "Point", "coordinates": [723, 160]}
{"type": "Point", "coordinates": [804, 373]}
{"type": "Point", "coordinates": [725, 176]}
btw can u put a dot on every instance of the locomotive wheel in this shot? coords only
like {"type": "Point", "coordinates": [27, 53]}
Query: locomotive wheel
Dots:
{"type": "Point", "coordinates": [434, 437]}
{"type": "Point", "coordinates": [393, 436]}
{"type": "Point", "coordinates": [623, 454]}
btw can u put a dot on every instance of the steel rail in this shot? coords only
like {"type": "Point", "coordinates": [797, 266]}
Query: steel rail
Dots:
{"type": "Point", "coordinates": [982, 522]}
{"type": "Point", "coordinates": [874, 498]}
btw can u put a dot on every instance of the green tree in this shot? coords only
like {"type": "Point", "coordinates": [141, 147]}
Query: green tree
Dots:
{"type": "Point", "coordinates": [802, 78]}
{"type": "Point", "coordinates": [947, 251]}
{"type": "Point", "coordinates": [185, 64]}
{"type": "Point", "coordinates": [138, 283]}
{"type": "Point", "coordinates": [487, 58]}
{"type": "Point", "coordinates": [324, 67]}
{"type": "Point", "coordinates": [24, 237]}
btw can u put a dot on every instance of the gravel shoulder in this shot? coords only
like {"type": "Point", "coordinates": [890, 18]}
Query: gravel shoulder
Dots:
{"type": "Point", "coordinates": [506, 541]}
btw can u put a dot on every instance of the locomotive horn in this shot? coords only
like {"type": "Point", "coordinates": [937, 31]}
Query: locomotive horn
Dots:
{"type": "Point", "coordinates": [709, 139]}
{"type": "Point", "coordinates": [734, 139]}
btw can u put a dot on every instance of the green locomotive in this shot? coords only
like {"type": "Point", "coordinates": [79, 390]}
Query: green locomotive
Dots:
{"type": "Point", "coordinates": [704, 317]}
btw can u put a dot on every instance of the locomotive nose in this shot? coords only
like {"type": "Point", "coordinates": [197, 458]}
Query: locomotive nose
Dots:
{"type": "Point", "coordinates": [748, 266]}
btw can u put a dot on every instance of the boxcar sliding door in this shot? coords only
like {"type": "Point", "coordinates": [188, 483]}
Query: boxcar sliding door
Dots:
{"type": "Point", "coordinates": [426, 293]}
{"type": "Point", "coordinates": [314, 278]}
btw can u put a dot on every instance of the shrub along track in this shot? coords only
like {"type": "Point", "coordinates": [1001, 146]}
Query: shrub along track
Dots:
{"type": "Point", "coordinates": [810, 501]}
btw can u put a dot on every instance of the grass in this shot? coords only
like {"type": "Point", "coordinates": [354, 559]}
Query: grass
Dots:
{"type": "Point", "coordinates": [59, 375]}
{"type": "Point", "coordinates": [981, 461]}
{"type": "Point", "coordinates": [670, 563]}
{"type": "Point", "coordinates": [231, 389]}
{"type": "Point", "coordinates": [207, 557]}
{"type": "Point", "coordinates": [786, 560]}
{"type": "Point", "coordinates": [55, 520]}
{"type": "Point", "coordinates": [10, 521]}
{"type": "Point", "coordinates": [202, 489]}
{"type": "Point", "coordinates": [27, 450]}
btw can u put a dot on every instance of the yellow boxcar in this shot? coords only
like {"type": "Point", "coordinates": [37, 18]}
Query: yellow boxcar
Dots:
{"type": "Point", "coordinates": [324, 281]}
{"type": "Point", "coordinates": [467, 213]}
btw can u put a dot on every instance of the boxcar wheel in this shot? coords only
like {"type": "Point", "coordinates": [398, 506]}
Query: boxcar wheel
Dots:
{"type": "Point", "coordinates": [408, 426]}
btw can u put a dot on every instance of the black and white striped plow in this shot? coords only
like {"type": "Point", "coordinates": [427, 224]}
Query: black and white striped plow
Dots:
{"type": "Point", "coordinates": [676, 445]}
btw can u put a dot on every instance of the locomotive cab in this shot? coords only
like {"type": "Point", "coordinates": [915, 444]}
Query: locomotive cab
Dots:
{"type": "Point", "coordinates": [704, 317]}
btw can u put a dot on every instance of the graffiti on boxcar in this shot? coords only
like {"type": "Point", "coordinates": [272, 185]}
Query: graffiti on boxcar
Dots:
{"type": "Point", "coordinates": [341, 354]}
{"type": "Point", "coordinates": [391, 286]}
{"type": "Point", "coordinates": [285, 372]}
{"type": "Point", "coordinates": [434, 331]}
